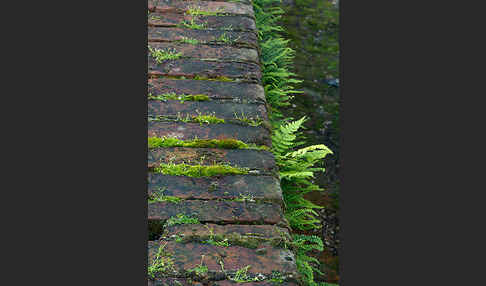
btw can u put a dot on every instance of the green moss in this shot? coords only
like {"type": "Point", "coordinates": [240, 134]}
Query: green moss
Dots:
{"type": "Point", "coordinates": [199, 170]}
{"type": "Point", "coordinates": [207, 119]}
{"type": "Point", "coordinates": [162, 263]}
{"type": "Point", "coordinates": [196, 11]}
{"type": "Point", "coordinates": [156, 142]}
{"type": "Point", "coordinates": [181, 97]}
{"type": "Point", "coordinates": [187, 40]}
{"type": "Point", "coordinates": [192, 25]}
{"type": "Point", "coordinates": [181, 219]}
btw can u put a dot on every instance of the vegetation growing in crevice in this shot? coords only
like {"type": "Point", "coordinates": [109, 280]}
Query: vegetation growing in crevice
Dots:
{"type": "Point", "coordinates": [158, 196]}
{"type": "Point", "coordinates": [161, 55]}
{"type": "Point", "coordinates": [199, 170]}
{"type": "Point", "coordinates": [181, 97]}
{"type": "Point", "coordinates": [162, 263]}
{"type": "Point", "coordinates": [168, 142]}
{"type": "Point", "coordinates": [181, 219]}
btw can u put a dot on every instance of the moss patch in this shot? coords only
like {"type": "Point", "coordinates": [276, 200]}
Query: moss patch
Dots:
{"type": "Point", "coordinates": [199, 170]}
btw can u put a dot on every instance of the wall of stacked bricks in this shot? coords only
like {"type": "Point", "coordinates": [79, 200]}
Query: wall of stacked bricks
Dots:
{"type": "Point", "coordinates": [212, 200]}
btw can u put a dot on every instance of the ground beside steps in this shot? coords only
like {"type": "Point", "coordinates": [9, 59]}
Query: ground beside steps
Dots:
{"type": "Point", "coordinates": [238, 232]}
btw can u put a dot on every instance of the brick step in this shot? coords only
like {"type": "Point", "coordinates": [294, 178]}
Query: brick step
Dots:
{"type": "Point", "coordinates": [219, 212]}
{"type": "Point", "coordinates": [214, 53]}
{"type": "Point", "coordinates": [222, 262]}
{"type": "Point", "coordinates": [178, 6]}
{"type": "Point", "coordinates": [187, 131]}
{"type": "Point", "coordinates": [190, 282]}
{"type": "Point", "coordinates": [190, 68]}
{"type": "Point", "coordinates": [258, 188]}
{"type": "Point", "coordinates": [239, 92]}
{"type": "Point", "coordinates": [263, 162]}
{"type": "Point", "coordinates": [235, 38]}
{"type": "Point", "coordinates": [229, 23]}
{"type": "Point", "coordinates": [224, 110]}
{"type": "Point", "coordinates": [251, 236]}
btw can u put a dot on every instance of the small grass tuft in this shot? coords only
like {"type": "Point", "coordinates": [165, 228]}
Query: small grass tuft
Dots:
{"type": "Point", "coordinates": [161, 56]}
{"type": "Point", "coordinates": [199, 170]}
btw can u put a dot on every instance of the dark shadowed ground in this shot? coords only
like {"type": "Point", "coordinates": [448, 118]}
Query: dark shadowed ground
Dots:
{"type": "Point", "coordinates": [313, 29]}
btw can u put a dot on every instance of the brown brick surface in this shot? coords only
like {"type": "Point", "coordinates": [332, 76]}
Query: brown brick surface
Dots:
{"type": "Point", "coordinates": [234, 91]}
{"type": "Point", "coordinates": [187, 131]}
{"type": "Point", "coordinates": [235, 38]}
{"type": "Point", "coordinates": [246, 211]}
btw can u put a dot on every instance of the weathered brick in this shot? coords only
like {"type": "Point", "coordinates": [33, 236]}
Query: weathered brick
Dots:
{"type": "Point", "coordinates": [191, 68]}
{"type": "Point", "coordinates": [260, 188]}
{"type": "Point", "coordinates": [224, 110]}
{"type": "Point", "coordinates": [263, 161]}
{"type": "Point", "coordinates": [239, 92]}
{"type": "Point", "coordinates": [206, 52]}
{"type": "Point", "coordinates": [221, 212]}
{"type": "Point", "coordinates": [188, 131]}
{"type": "Point", "coordinates": [235, 38]}
{"type": "Point", "coordinates": [229, 23]}
{"type": "Point", "coordinates": [202, 231]}
{"type": "Point", "coordinates": [179, 6]}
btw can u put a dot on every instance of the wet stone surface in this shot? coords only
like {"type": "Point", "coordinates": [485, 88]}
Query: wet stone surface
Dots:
{"type": "Point", "coordinates": [216, 37]}
{"type": "Point", "coordinates": [189, 131]}
{"type": "Point", "coordinates": [181, 6]}
{"type": "Point", "coordinates": [221, 212]}
{"type": "Point", "coordinates": [228, 23]}
{"type": "Point", "coordinates": [234, 91]}
{"type": "Point", "coordinates": [241, 219]}
{"type": "Point", "coordinates": [213, 53]}
{"type": "Point", "coordinates": [227, 111]}
{"type": "Point", "coordinates": [253, 188]}
{"type": "Point", "coordinates": [263, 161]}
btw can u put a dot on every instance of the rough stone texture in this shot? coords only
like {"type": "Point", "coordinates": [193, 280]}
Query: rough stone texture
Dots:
{"type": "Point", "coordinates": [235, 23]}
{"type": "Point", "coordinates": [262, 161]}
{"type": "Point", "coordinates": [234, 91]}
{"type": "Point", "coordinates": [245, 211]}
{"type": "Point", "coordinates": [226, 111]}
{"type": "Point", "coordinates": [222, 212]}
{"type": "Point", "coordinates": [235, 38]}
{"type": "Point", "coordinates": [180, 6]}
{"type": "Point", "coordinates": [266, 188]}
{"type": "Point", "coordinates": [210, 69]}
{"type": "Point", "coordinates": [213, 53]}
{"type": "Point", "coordinates": [189, 255]}
{"type": "Point", "coordinates": [188, 131]}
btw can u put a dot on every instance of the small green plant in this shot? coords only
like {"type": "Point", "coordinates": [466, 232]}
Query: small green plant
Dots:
{"type": "Point", "coordinates": [158, 196]}
{"type": "Point", "coordinates": [196, 11]}
{"type": "Point", "coordinates": [186, 40]}
{"type": "Point", "coordinates": [199, 170]}
{"type": "Point", "coordinates": [161, 56]}
{"type": "Point", "coordinates": [303, 244]}
{"type": "Point", "coordinates": [207, 119]}
{"type": "Point", "coordinates": [162, 263]}
{"type": "Point", "coordinates": [201, 269]}
{"type": "Point", "coordinates": [192, 24]}
{"type": "Point", "coordinates": [181, 97]}
{"type": "Point", "coordinates": [212, 241]}
{"type": "Point", "coordinates": [181, 219]}
{"type": "Point", "coordinates": [249, 120]}
{"type": "Point", "coordinates": [241, 275]}
{"type": "Point", "coordinates": [223, 38]}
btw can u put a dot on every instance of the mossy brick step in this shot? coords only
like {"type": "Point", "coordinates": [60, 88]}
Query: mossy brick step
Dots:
{"type": "Point", "coordinates": [213, 53]}
{"type": "Point", "coordinates": [190, 282]}
{"type": "Point", "coordinates": [191, 68]}
{"type": "Point", "coordinates": [180, 6]}
{"type": "Point", "coordinates": [219, 212]}
{"type": "Point", "coordinates": [229, 23]}
{"type": "Point", "coordinates": [262, 161]}
{"type": "Point", "coordinates": [261, 188]}
{"type": "Point", "coordinates": [258, 135]}
{"type": "Point", "coordinates": [236, 91]}
{"type": "Point", "coordinates": [233, 258]}
{"type": "Point", "coordinates": [235, 38]}
{"type": "Point", "coordinates": [223, 110]}
{"type": "Point", "coordinates": [203, 232]}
